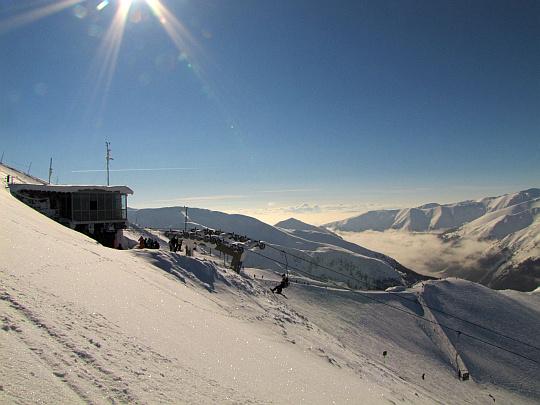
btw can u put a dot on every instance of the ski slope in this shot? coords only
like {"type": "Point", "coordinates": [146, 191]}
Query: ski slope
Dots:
{"type": "Point", "coordinates": [80, 323]}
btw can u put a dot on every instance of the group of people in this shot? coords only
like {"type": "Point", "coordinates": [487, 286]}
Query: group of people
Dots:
{"type": "Point", "coordinates": [175, 244]}
{"type": "Point", "coordinates": [148, 243]}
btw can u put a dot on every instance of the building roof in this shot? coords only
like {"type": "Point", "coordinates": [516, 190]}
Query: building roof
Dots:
{"type": "Point", "coordinates": [70, 189]}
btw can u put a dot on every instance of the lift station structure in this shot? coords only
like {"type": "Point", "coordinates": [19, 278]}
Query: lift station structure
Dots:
{"type": "Point", "coordinates": [228, 243]}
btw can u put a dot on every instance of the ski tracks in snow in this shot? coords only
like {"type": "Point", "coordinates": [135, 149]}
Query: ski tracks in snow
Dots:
{"type": "Point", "coordinates": [80, 365]}
{"type": "Point", "coordinates": [102, 365]}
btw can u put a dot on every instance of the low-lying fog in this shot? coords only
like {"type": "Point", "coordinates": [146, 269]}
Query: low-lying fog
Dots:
{"type": "Point", "coordinates": [424, 253]}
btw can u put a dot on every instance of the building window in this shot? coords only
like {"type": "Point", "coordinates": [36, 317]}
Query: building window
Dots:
{"type": "Point", "coordinates": [97, 207]}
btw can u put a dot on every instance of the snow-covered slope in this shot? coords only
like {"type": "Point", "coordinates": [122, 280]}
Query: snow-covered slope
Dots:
{"type": "Point", "coordinates": [513, 259]}
{"type": "Point", "coordinates": [80, 323]}
{"type": "Point", "coordinates": [511, 223]}
{"type": "Point", "coordinates": [298, 249]}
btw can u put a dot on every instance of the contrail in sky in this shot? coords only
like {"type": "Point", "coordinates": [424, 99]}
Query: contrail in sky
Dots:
{"type": "Point", "coordinates": [135, 170]}
{"type": "Point", "coordinates": [213, 197]}
{"type": "Point", "coordinates": [290, 191]}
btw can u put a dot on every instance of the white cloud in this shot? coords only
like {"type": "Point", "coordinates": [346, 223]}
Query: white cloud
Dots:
{"type": "Point", "coordinates": [314, 214]}
{"type": "Point", "coordinates": [422, 252]}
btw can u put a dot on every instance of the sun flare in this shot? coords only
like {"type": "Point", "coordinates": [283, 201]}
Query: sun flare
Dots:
{"type": "Point", "coordinates": [104, 63]}
{"type": "Point", "coordinates": [35, 14]}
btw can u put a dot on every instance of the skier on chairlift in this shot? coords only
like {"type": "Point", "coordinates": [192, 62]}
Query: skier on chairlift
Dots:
{"type": "Point", "coordinates": [283, 284]}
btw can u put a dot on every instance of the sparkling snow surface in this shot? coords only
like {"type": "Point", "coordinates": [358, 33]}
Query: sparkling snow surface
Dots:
{"type": "Point", "coordinates": [80, 323]}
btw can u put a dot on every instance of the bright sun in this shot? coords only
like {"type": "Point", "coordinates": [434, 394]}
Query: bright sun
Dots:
{"type": "Point", "coordinates": [105, 60]}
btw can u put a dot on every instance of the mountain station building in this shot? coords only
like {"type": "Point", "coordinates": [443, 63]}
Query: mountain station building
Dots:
{"type": "Point", "coordinates": [97, 211]}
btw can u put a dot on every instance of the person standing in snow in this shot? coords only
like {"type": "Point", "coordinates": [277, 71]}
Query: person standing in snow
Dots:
{"type": "Point", "coordinates": [173, 244]}
{"type": "Point", "coordinates": [142, 243]}
{"type": "Point", "coordinates": [284, 284]}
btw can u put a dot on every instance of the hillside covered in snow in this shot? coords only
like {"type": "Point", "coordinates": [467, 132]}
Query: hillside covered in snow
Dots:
{"type": "Point", "coordinates": [85, 324]}
{"type": "Point", "coordinates": [291, 245]}
{"type": "Point", "coordinates": [509, 226]}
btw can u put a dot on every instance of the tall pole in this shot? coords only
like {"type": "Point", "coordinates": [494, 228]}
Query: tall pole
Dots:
{"type": "Point", "coordinates": [185, 220]}
{"type": "Point", "coordinates": [108, 158]}
{"type": "Point", "coordinates": [50, 172]}
{"type": "Point", "coordinates": [457, 356]}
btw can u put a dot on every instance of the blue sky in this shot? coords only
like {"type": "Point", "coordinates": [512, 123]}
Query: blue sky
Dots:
{"type": "Point", "coordinates": [275, 108]}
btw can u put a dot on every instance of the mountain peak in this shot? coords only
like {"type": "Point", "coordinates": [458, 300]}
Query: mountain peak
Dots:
{"type": "Point", "coordinates": [293, 223]}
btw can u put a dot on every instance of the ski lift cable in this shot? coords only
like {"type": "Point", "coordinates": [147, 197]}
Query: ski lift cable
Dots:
{"type": "Point", "coordinates": [421, 317]}
{"type": "Point", "coordinates": [287, 267]}
{"type": "Point", "coordinates": [408, 299]}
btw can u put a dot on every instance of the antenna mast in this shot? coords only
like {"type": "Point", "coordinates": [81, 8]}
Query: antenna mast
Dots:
{"type": "Point", "coordinates": [108, 158]}
{"type": "Point", "coordinates": [50, 172]}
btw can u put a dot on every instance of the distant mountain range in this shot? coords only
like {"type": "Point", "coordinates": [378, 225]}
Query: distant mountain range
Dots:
{"type": "Point", "coordinates": [290, 245]}
{"type": "Point", "coordinates": [510, 223]}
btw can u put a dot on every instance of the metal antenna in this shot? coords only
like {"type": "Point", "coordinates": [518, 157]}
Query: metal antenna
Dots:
{"type": "Point", "coordinates": [50, 172]}
{"type": "Point", "coordinates": [108, 158]}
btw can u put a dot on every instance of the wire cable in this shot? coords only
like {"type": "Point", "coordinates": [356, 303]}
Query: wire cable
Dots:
{"type": "Point", "coordinates": [287, 266]}
{"type": "Point", "coordinates": [418, 316]}
{"type": "Point", "coordinates": [407, 299]}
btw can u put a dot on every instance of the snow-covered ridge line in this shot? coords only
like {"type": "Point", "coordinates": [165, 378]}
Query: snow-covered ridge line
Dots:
{"type": "Point", "coordinates": [433, 216]}
{"type": "Point", "coordinates": [16, 175]}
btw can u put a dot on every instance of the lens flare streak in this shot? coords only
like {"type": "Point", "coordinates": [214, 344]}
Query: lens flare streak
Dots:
{"type": "Point", "coordinates": [102, 5]}
{"type": "Point", "coordinates": [174, 28]}
{"type": "Point", "coordinates": [108, 51]}
{"type": "Point", "coordinates": [35, 14]}
{"type": "Point", "coordinates": [191, 50]}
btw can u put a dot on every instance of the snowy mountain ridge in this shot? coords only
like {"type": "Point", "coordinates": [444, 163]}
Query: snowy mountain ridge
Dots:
{"type": "Point", "coordinates": [510, 223]}
{"type": "Point", "coordinates": [433, 216]}
{"type": "Point", "coordinates": [315, 251]}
